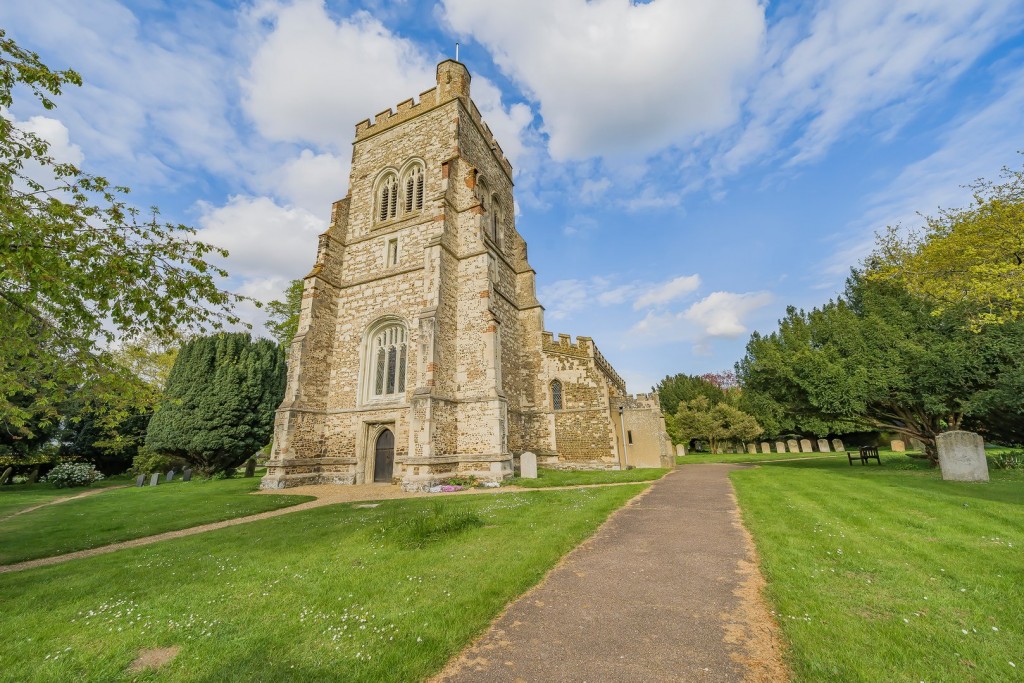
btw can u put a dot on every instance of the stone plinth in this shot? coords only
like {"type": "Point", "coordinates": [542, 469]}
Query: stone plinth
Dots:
{"type": "Point", "coordinates": [962, 456]}
{"type": "Point", "coordinates": [528, 465]}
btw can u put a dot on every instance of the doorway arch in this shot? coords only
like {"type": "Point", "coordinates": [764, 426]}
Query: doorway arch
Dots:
{"type": "Point", "coordinates": [384, 457]}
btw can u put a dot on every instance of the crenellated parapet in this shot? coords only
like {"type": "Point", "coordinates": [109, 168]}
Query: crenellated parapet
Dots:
{"type": "Point", "coordinates": [583, 348]}
{"type": "Point", "coordinates": [452, 83]}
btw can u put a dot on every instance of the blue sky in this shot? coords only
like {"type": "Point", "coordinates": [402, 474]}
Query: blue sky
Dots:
{"type": "Point", "coordinates": [684, 170]}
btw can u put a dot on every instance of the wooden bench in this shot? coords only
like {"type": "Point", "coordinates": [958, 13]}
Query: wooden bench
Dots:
{"type": "Point", "coordinates": [866, 453]}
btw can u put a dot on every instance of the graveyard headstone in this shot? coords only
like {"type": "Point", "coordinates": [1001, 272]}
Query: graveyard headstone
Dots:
{"type": "Point", "coordinates": [823, 445]}
{"type": "Point", "coordinates": [155, 479]}
{"type": "Point", "coordinates": [170, 477]}
{"type": "Point", "coordinates": [6, 475]}
{"type": "Point", "coordinates": [962, 456]}
{"type": "Point", "coordinates": [751, 449]}
{"type": "Point", "coordinates": [793, 446]}
{"type": "Point", "coordinates": [805, 446]}
{"type": "Point", "coordinates": [34, 476]}
{"type": "Point", "coordinates": [187, 474]}
{"type": "Point", "coordinates": [140, 480]}
{"type": "Point", "coordinates": [250, 467]}
{"type": "Point", "coordinates": [766, 447]}
{"type": "Point", "coordinates": [898, 446]}
{"type": "Point", "coordinates": [837, 446]}
{"type": "Point", "coordinates": [780, 447]}
{"type": "Point", "coordinates": [680, 449]}
{"type": "Point", "coordinates": [528, 465]}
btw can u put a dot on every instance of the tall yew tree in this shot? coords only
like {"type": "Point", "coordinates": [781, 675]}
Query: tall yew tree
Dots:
{"type": "Point", "coordinates": [218, 408]}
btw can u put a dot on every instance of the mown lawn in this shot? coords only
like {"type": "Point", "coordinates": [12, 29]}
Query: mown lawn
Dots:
{"type": "Point", "coordinates": [15, 497]}
{"type": "Point", "coordinates": [126, 513]}
{"type": "Point", "coordinates": [888, 573]}
{"type": "Point", "coordinates": [334, 593]}
{"type": "Point", "coordinates": [700, 458]}
{"type": "Point", "coordinates": [548, 477]}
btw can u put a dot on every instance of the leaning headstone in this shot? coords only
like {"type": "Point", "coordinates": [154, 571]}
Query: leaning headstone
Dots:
{"type": "Point", "coordinates": [528, 465]}
{"type": "Point", "coordinates": [780, 447]}
{"type": "Point", "coordinates": [962, 456]}
{"type": "Point", "coordinates": [897, 446]}
{"type": "Point", "coordinates": [805, 446]}
{"type": "Point", "coordinates": [794, 447]}
{"type": "Point", "coordinates": [250, 467]}
{"type": "Point", "coordinates": [155, 479]}
{"type": "Point", "coordinates": [766, 447]}
{"type": "Point", "coordinates": [33, 477]}
{"type": "Point", "coordinates": [680, 449]}
{"type": "Point", "coordinates": [751, 449]}
{"type": "Point", "coordinates": [170, 477]}
{"type": "Point", "coordinates": [823, 445]}
{"type": "Point", "coordinates": [917, 445]}
{"type": "Point", "coordinates": [140, 480]}
{"type": "Point", "coordinates": [837, 446]}
{"type": "Point", "coordinates": [6, 475]}
{"type": "Point", "coordinates": [187, 474]}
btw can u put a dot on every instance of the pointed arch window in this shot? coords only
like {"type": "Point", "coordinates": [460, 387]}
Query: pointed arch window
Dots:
{"type": "Point", "coordinates": [412, 188]}
{"type": "Point", "coordinates": [556, 395]}
{"type": "Point", "coordinates": [495, 221]}
{"type": "Point", "coordinates": [387, 197]}
{"type": "Point", "coordinates": [387, 358]}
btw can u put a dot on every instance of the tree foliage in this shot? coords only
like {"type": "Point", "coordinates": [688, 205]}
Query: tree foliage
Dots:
{"type": "Point", "coordinates": [218, 408]}
{"type": "Point", "coordinates": [80, 267]}
{"type": "Point", "coordinates": [698, 418]}
{"type": "Point", "coordinates": [283, 315]}
{"type": "Point", "coordinates": [878, 358]}
{"type": "Point", "coordinates": [677, 388]}
{"type": "Point", "coordinates": [969, 259]}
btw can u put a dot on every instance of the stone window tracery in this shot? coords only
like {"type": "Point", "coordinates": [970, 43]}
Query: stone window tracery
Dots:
{"type": "Point", "coordinates": [413, 188]}
{"type": "Point", "coordinates": [556, 395]}
{"type": "Point", "coordinates": [387, 357]}
{"type": "Point", "coordinates": [387, 197]}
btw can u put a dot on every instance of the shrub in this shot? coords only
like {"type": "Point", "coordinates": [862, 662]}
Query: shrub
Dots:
{"type": "Point", "coordinates": [468, 481]}
{"type": "Point", "coordinates": [147, 462]}
{"type": "Point", "coordinates": [1013, 460]}
{"type": "Point", "coordinates": [69, 474]}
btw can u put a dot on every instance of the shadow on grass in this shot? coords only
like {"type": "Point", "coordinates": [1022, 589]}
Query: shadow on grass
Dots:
{"type": "Point", "coordinates": [1005, 486]}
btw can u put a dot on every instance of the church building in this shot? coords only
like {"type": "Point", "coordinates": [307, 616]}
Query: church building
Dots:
{"type": "Point", "coordinates": [421, 352]}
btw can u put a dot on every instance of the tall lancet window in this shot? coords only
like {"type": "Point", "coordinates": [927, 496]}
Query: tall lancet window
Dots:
{"type": "Point", "coordinates": [387, 197]}
{"type": "Point", "coordinates": [556, 395]}
{"type": "Point", "coordinates": [387, 358]}
{"type": "Point", "coordinates": [412, 188]}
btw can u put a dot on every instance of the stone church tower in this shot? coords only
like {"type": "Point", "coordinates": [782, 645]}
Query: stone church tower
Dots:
{"type": "Point", "coordinates": [421, 352]}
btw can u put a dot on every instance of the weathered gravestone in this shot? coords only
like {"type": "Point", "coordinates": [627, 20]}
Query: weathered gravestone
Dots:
{"type": "Point", "coordinates": [752, 449]}
{"type": "Point", "coordinates": [528, 465]}
{"type": "Point", "coordinates": [962, 456]}
{"type": "Point", "coordinates": [155, 479]}
{"type": "Point", "coordinates": [837, 446]}
{"type": "Point", "coordinates": [794, 447]}
{"type": "Point", "coordinates": [250, 467]}
{"type": "Point", "coordinates": [6, 475]}
{"type": "Point", "coordinates": [780, 447]}
{"type": "Point", "coordinates": [823, 445]}
{"type": "Point", "coordinates": [766, 447]}
{"type": "Point", "coordinates": [187, 474]}
{"type": "Point", "coordinates": [34, 476]}
{"type": "Point", "coordinates": [805, 446]}
{"type": "Point", "coordinates": [170, 477]}
{"type": "Point", "coordinates": [680, 449]}
{"type": "Point", "coordinates": [140, 480]}
{"type": "Point", "coordinates": [897, 446]}
{"type": "Point", "coordinates": [917, 445]}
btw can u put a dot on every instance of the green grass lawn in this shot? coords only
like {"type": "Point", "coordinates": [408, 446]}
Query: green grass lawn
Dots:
{"type": "Point", "coordinates": [15, 497]}
{"type": "Point", "coordinates": [697, 458]}
{"type": "Point", "coordinates": [888, 573]}
{"type": "Point", "coordinates": [124, 514]}
{"type": "Point", "coordinates": [329, 594]}
{"type": "Point", "coordinates": [549, 477]}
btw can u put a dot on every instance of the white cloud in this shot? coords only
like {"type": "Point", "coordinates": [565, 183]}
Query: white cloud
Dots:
{"type": "Point", "coordinates": [666, 292]}
{"type": "Point", "coordinates": [56, 135]}
{"type": "Point", "coordinates": [311, 181]}
{"type": "Point", "coordinates": [720, 315]}
{"type": "Point", "coordinates": [264, 240]}
{"type": "Point", "coordinates": [619, 78]}
{"type": "Point", "coordinates": [510, 126]}
{"type": "Point", "coordinates": [312, 78]}
{"type": "Point", "coordinates": [850, 60]}
{"type": "Point", "coordinates": [563, 297]}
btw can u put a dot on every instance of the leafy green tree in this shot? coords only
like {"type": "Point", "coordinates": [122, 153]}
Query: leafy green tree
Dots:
{"type": "Point", "coordinates": [283, 314]}
{"type": "Point", "coordinates": [698, 418]}
{"type": "Point", "coordinates": [878, 358]}
{"type": "Point", "coordinates": [80, 267]}
{"type": "Point", "coordinates": [218, 408]}
{"type": "Point", "coordinates": [681, 387]}
{"type": "Point", "coordinates": [969, 258]}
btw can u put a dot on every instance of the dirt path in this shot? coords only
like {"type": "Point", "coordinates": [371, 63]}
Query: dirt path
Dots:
{"type": "Point", "coordinates": [667, 590]}
{"type": "Point", "coordinates": [61, 500]}
{"type": "Point", "coordinates": [326, 494]}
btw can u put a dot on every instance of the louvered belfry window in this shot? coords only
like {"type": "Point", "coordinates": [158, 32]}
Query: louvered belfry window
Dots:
{"type": "Point", "coordinates": [387, 202]}
{"type": "Point", "coordinates": [389, 352]}
{"type": "Point", "coordinates": [413, 189]}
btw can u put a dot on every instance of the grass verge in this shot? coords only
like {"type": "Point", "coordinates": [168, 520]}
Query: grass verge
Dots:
{"type": "Point", "coordinates": [327, 594]}
{"type": "Point", "coordinates": [889, 573]}
{"type": "Point", "coordinates": [746, 458]}
{"type": "Point", "coordinates": [16, 497]}
{"type": "Point", "coordinates": [127, 513]}
{"type": "Point", "coordinates": [549, 477]}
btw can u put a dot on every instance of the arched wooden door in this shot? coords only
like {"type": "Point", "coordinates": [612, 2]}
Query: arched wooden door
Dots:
{"type": "Point", "coordinates": [384, 457]}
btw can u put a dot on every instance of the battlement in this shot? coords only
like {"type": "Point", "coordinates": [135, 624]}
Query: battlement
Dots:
{"type": "Point", "coordinates": [583, 348]}
{"type": "Point", "coordinates": [649, 401]}
{"type": "Point", "coordinates": [452, 83]}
